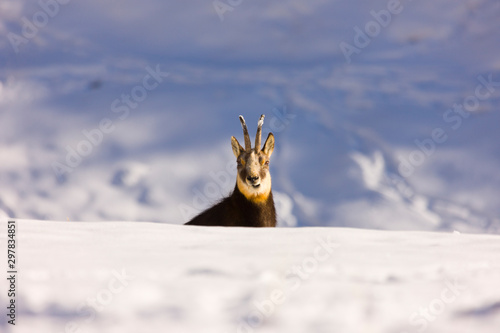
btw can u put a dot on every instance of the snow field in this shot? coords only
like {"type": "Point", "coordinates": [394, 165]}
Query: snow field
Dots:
{"type": "Point", "coordinates": [128, 277]}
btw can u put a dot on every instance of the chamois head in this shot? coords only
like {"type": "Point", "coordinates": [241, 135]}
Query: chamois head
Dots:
{"type": "Point", "coordinates": [253, 179]}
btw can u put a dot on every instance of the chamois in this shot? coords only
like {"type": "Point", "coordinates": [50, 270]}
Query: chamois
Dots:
{"type": "Point", "coordinates": [251, 204]}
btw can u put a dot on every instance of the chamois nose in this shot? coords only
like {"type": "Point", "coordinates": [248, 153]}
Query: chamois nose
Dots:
{"type": "Point", "coordinates": [252, 179]}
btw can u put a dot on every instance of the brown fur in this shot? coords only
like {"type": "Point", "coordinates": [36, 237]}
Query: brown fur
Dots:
{"type": "Point", "coordinates": [237, 211]}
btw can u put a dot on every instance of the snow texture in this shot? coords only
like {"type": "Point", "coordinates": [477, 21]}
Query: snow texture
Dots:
{"type": "Point", "coordinates": [150, 277]}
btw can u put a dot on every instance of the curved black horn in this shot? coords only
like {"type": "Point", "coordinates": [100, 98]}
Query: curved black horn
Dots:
{"type": "Point", "coordinates": [259, 133]}
{"type": "Point", "coordinates": [248, 144]}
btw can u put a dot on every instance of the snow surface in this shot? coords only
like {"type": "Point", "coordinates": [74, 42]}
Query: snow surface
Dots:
{"type": "Point", "coordinates": [201, 279]}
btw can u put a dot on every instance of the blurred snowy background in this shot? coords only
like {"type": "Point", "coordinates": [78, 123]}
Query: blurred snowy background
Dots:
{"type": "Point", "coordinates": [385, 113]}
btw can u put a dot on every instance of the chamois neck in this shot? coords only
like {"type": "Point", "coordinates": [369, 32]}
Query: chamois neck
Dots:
{"type": "Point", "coordinates": [256, 199]}
{"type": "Point", "coordinates": [255, 214]}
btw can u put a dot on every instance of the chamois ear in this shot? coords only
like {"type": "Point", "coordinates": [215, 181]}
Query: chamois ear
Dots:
{"type": "Point", "coordinates": [269, 145]}
{"type": "Point", "coordinates": [237, 148]}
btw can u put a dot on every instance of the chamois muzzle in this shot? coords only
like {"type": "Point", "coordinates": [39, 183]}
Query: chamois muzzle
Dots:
{"type": "Point", "coordinates": [253, 179]}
